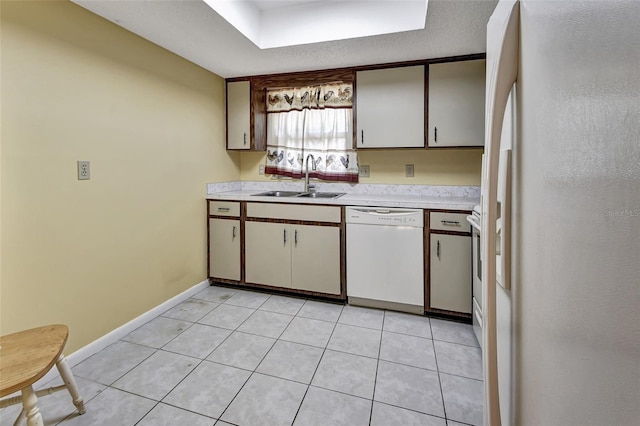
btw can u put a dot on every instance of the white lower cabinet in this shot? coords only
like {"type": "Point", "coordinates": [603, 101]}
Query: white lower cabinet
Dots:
{"type": "Point", "coordinates": [450, 272]}
{"type": "Point", "coordinates": [302, 257]}
{"type": "Point", "coordinates": [224, 248]}
{"type": "Point", "coordinates": [267, 249]}
{"type": "Point", "coordinates": [315, 258]}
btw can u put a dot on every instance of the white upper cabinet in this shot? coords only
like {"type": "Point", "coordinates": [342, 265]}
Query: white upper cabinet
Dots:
{"type": "Point", "coordinates": [390, 108]}
{"type": "Point", "coordinates": [239, 115]}
{"type": "Point", "coordinates": [456, 104]}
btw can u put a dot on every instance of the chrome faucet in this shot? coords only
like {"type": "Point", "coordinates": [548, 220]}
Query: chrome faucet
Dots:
{"type": "Point", "coordinates": [308, 187]}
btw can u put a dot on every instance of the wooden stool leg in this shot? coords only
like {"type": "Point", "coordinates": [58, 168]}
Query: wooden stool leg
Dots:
{"type": "Point", "coordinates": [29, 403]}
{"type": "Point", "coordinates": [70, 383]}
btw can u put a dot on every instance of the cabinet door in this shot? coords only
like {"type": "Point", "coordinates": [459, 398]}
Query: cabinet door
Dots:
{"type": "Point", "coordinates": [238, 115]}
{"type": "Point", "coordinates": [316, 258]}
{"type": "Point", "coordinates": [224, 249]}
{"type": "Point", "coordinates": [268, 253]}
{"type": "Point", "coordinates": [456, 104]}
{"type": "Point", "coordinates": [450, 272]}
{"type": "Point", "coordinates": [390, 107]}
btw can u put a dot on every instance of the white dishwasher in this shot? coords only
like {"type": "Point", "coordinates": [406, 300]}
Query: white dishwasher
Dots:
{"type": "Point", "coordinates": [385, 258]}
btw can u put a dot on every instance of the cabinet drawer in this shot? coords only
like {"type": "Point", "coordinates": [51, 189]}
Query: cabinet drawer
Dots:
{"type": "Point", "coordinates": [224, 208]}
{"type": "Point", "coordinates": [455, 222]}
{"type": "Point", "coordinates": [294, 212]}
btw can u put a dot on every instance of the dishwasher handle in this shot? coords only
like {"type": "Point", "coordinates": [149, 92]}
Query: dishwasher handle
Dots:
{"type": "Point", "coordinates": [380, 212]}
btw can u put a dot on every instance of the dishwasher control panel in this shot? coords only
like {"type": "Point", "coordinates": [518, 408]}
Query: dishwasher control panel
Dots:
{"type": "Point", "coordinates": [385, 216]}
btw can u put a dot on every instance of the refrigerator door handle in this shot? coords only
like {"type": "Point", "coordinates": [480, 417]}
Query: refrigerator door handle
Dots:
{"type": "Point", "coordinates": [503, 224]}
{"type": "Point", "coordinates": [503, 37]}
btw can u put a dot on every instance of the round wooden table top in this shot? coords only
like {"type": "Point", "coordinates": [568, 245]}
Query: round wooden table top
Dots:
{"type": "Point", "coordinates": [28, 355]}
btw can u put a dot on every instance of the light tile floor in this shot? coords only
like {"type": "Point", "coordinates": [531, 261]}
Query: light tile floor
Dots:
{"type": "Point", "coordinates": [237, 357]}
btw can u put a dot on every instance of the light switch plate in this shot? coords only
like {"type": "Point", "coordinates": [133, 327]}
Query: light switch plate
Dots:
{"type": "Point", "coordinates": [261, 169]}
{"type": "Point", "coordinates": [84, 170]}
{"type": "Point", "coordinates": [409, 170]}
{"type": "Point", "coordinates": [363, 171]}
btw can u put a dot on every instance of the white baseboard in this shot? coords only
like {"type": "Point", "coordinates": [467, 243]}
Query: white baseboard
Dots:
{"type": "Point", "coordinates": [99, 344]}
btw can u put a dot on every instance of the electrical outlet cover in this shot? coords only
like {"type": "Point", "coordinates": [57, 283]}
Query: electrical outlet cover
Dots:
{"type": "Point", "coordinates": [84, 170]}
{"type": "Point", "coordinates": [363, 171]}
{"type": "Point", "coordinates": [409, 170]}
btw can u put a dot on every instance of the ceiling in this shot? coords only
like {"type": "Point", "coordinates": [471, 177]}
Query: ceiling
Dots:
{"type": "Point", "coordinates": [194, 31]}
{"type": "Point", "coordinates": [295, 22]}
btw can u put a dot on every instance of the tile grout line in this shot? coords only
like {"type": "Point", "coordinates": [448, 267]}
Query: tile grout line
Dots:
{"type": "Point", "coordinates": [324, 350]}
{"type": "Point", "coordinates": [435, 355]}
{"type": "Point", "coordinates": [375, 377]}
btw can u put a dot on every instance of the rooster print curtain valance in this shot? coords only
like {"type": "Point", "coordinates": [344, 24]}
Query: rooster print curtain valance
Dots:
{"type": "Point", "coordinates": [311, 97]}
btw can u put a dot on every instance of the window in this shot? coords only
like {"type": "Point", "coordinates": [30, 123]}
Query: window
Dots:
{"type": "Point", "coordinates": [316, 121]}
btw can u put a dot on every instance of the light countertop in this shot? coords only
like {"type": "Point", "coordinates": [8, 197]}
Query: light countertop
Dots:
{"type": "Point", "coordinates": [408, 196]}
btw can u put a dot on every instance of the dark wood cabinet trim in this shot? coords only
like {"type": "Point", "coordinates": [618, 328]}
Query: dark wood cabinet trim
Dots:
{"type": "Point", "coordinates": [426, 106]}
{"type": "Point", "coordinates": [427, 263]}
{"type": "Point", "coordinates": [293, 222]}
{"type": "Point", "coordinates": [440, 232]}
{"type": "Point", "coordinates": [279, 290]}
{"type": "Point", "coordinates": [451, 315]}
{"type": "Point", "coordinates": [345, 74]}
{"type": "Point", "coordinates": [243, 218]}
{"type": "Point", "coordinates": [343, 253]}
{"type": "Point", "coordinates": [208, 239]}
{"type": "Point", "coordinates": [258, 119]}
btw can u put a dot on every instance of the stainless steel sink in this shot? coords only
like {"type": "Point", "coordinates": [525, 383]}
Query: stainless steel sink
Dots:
{"type": "Point", "coordinates": [321, 194]}
{"type": "Point", "coordinates": [327, 195]}
{"type": "Point", "coordinates": [279, 194]}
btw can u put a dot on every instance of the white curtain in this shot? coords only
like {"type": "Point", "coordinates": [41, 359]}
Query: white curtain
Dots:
{"type": "Point", "coordinates": [313, 121]}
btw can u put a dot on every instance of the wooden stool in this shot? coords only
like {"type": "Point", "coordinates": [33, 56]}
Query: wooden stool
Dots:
{"type": "Point", "coordinates": [25, 357]}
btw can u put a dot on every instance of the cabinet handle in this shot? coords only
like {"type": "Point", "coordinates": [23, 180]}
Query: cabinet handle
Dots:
{"type": "Point", "coordinates": [435, 134]}
{"type": "Point", "coordinates": [233, 234]}
{"type": "Point", "coordinates": [450, 222]}
{"type": "Point", "coordinates": [223, 209]}
{"type": "Point", "coordinates": [295, 237]}
{"type": "Point", "coordinates": [438, 250]}
{"type": "Point", "coordinates": [245, 138]}
{"type": "Point", "coordinates": [362, 136]}
{"type": "Point", "coordinates": [284, 236]}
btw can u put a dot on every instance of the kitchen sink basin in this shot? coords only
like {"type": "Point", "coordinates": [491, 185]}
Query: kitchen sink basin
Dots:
{"type": "Point", "coordinates": [279, 194]}
{"type": "Point", "coordinates": [321, 194]}
{"type": "Point", "coordinates": [327, 195]}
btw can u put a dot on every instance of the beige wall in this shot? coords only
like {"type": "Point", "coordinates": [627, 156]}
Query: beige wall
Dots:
{"type": "Point", "coordinates": [95, 254]}
{"type": "Point", "coordinates": [432, 167]}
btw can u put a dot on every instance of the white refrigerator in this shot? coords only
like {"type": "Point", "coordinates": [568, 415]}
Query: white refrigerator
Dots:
{"type": "Point", "coordinates": [561, 214]}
